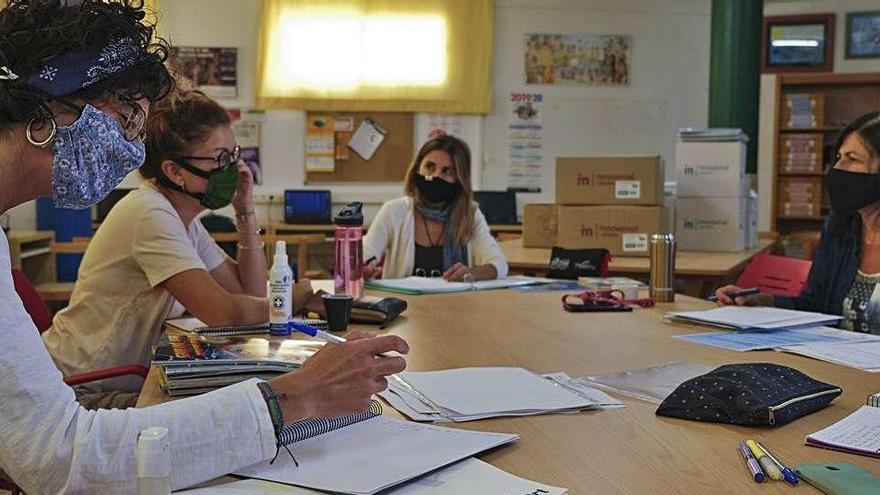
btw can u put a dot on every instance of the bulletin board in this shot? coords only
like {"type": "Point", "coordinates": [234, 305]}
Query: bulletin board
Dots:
{"type": "Point", "coordinates": [388, 163]}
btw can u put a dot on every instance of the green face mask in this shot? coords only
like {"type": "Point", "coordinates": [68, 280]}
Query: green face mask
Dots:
{"type": "Point", "coordinates": [222, 183]}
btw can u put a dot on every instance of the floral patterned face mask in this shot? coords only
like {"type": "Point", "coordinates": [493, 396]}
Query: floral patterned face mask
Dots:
{"type": "Point", "coordinates": [91, 158]}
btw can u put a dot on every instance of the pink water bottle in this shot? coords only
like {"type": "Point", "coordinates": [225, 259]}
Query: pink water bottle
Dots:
{"type": "Point", "coordinates": [348, 277]}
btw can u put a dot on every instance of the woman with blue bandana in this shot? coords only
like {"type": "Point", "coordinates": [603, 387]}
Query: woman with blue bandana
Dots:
{"type": "Point", "coordinates": [169, 263]}
{"type": "Point", "coordinates": [436, 229]}
{"type": "Point", "coordinates": [74, 86]}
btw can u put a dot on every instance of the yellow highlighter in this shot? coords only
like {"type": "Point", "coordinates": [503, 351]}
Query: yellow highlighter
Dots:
{"type": "Point", "coordinates": [769, 467]}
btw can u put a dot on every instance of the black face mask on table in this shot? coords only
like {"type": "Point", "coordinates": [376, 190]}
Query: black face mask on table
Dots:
{"type": "Point", "coordinates": [849, 192]}
{"type": "Point", "coordinates": [437, 190]}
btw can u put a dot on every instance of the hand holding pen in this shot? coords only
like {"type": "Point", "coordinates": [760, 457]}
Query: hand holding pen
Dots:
{"type": "Point", "coordinates": [730, 295]}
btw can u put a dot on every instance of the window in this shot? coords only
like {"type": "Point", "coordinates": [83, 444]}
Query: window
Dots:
{"type": "Point", "coordinates": [427, 56]}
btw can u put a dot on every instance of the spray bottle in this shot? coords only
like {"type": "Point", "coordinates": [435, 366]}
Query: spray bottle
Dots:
{"type": "Point", "coordinates": [280, 292]}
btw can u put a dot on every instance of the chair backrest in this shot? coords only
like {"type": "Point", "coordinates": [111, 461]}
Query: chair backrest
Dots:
{"type": "Point", "coordinates": [776, 275]}
{"type": "Point", "coordinates": [33, 303]}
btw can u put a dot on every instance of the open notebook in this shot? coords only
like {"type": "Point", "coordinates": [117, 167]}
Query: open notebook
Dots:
{"type": "Point", "coordinates": [858, 433]}
{"type": "Point", "coordinates": [368, 453]}
{"type": "Point", "coordinates": [436, 285]}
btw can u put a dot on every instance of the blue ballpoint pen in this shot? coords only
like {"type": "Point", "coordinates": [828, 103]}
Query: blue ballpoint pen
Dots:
{"type": "Point", "coordinates": [787, 473]}
{"type": "Point", "coordinates": [314, 332]}
{"type": "Point", "coordinates": [742, 293]}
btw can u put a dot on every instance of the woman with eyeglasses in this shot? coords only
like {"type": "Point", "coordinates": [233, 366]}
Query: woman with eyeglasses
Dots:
{"type": "Point", "coordinates": [103, 59]}
{"type": "Point", "coordinates": [152, 252]}
{"type": "Point", "coordinates": [436, 229]}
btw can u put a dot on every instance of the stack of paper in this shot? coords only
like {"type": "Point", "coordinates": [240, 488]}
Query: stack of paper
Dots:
{"type": "Point", "coordinates": [373, 455]}
{"type": "Point", "coordinates": [858, 433]}
{"type": "Point", "coordinates": [467, 394]}
{"type": "Point", "coordinates": [459, 478]}
{"type": "Point", "coordinates": [760, 340]}
{"type": "Point", "coordinates": [754, 318]}
{"type": "Point", "coordinates": [704, 134]}
{"type": "Point", "coordinates": [436, 285]}
{"type": "Point", "coordinates": [862, 351]}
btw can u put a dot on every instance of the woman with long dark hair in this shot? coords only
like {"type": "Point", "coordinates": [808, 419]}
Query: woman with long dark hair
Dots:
{"type": "Point", "coordinates": [846, 267]}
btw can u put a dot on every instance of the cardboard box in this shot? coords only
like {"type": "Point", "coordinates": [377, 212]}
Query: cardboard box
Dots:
{"type": "Point", "coordinates": [712, 224]}
{"type": "Point", "coordinates": [622, 230]}
{"type": "Point", "coordinates": [609, 180]}
{"type": "Point", "coordinates": [711, 169]}
{"type": "Point", "coordinates": [752, 227]}
{"type": "Point", "coordinates": [540, 225]}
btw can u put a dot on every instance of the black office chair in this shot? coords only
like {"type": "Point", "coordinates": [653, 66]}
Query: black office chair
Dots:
{"type": "Point", "coordinates": [499, 207]}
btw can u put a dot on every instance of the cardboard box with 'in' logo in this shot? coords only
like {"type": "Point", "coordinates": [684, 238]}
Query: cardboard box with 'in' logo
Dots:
{"type": "Point", "coordinates": [622, 230]}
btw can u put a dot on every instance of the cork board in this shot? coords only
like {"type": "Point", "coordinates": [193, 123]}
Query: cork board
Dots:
{"type": "Point", "coordinates": [391, 159]}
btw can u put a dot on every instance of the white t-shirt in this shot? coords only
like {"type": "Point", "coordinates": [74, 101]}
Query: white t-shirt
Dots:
{"type": "Point", "coordinates": [117, 307]}
{"type": "Point", "coordinates": [50, 444]}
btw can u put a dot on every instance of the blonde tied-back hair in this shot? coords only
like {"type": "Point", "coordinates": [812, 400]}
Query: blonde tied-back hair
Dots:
{"type": "Point", "coordinates": [461, 219]}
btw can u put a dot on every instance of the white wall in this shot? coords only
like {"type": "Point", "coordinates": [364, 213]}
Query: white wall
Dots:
{"type": "Point", "coordinates": [669, 81]}
{"type": "Point", "coordinates": [766, 130]}
{"type": "Point", "coordinates": [668, 89]}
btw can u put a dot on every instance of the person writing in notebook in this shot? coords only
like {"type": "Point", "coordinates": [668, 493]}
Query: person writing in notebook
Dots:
{"type": "Point", "coordinates": [845, 274]}
{"type": "Point", "coordinates": [436, 229]}
{"type": "Point", "coordinates": [125, 290]}
{"type": "Point", "coordinates": [72, 81]}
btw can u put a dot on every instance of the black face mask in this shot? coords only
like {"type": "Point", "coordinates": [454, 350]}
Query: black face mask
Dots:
{"type": "Point", "coordinates": [851, 191]}
{"type": "Point", "coordinates": [438, 191]}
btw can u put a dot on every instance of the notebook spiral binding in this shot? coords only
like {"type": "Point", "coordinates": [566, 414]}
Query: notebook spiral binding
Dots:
{"type": "Point", "coordinates": [873, 400]}
{"type": "Point", "coordinates": [308, 428]}
{"type": "Point", "coordinates": [260, 328]}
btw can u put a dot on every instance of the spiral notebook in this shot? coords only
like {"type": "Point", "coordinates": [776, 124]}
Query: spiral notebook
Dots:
{"type": "Point", "coordinates": [873, 400]}
{"type": "Point", "coordinates": [196, 326]}
{"type": "Point", "coordinates": [368, 453]}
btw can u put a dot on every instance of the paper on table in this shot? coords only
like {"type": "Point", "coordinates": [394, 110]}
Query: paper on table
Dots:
{"type": "Point", "coordinates": [859, 432]}
{"type": "Point", "coordinates": [863, 354]}
{"type": "Point", "coordinates": [651, 384]}
{"type": "Point", "coordinates": [585, 389]}
{"type": "Point", "coordinates": [753, 341]}
{"type": "Point", "coordinates": [347, 460]}
{"type": "Point", "coordinates": [751, 317]}
{"type": "Point", "coordinates": [461, 477]}
{"type": "Point", "coordinates": [477, 391]}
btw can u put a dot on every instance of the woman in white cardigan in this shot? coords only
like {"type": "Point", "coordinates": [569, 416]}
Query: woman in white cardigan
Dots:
{"type": "Point", "coordinates": [436, 229]}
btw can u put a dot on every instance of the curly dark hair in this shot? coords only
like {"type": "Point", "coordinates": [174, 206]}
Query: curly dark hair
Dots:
{"type": "Point", "coordinates": [34, 31]}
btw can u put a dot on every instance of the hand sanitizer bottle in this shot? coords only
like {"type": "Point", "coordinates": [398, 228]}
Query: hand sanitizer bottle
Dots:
{"type": "Point", "coordinates": [280, 292]}
{"type": "Point", "coordinates": [154, 461]}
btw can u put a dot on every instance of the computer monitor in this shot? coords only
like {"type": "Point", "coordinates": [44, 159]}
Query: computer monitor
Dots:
{"type": "Point", "coordinates": [307, 206]}
{"type": "Point", "coordinates": [103, 207]}
{"type": "Point", "coordinates": [499, 207]}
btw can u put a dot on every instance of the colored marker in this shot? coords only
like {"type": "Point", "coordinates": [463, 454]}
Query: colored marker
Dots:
{"type": "Point", "coordinates": [751, 462]}
{"type": "Point", "coordinates": [787, 473]}
{"type": "Point", "coordinates": [742, 293]}
{"type": "Point", "coordinates": [766, 464]}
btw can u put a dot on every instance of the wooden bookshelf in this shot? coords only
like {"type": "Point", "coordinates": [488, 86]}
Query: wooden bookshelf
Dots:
{"type": "Point", "coordinates": [804, 152]}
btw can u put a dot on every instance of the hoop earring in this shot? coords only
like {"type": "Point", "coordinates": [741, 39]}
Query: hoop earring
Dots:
{"type": "Point", "coordinates": [30, 133]}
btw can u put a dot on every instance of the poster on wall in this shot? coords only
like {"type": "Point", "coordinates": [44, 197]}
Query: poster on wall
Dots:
{"type": "Point", "coordinates": [214, 71]}
{"type": "Point", "coordinates": [580, 59]}
{"type": "Point", "coordinates": [525, 142]}
{"type": "Point", "coordinates": [246, 126]}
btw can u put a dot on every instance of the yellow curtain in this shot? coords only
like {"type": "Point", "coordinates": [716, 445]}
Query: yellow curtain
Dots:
{"type": "Point", "coordinates": [464, 87]}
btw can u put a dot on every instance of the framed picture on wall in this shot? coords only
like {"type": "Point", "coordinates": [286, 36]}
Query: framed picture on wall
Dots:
{"type": "Point", "coordinates": [863, 35]}
{"type": "Point", "coordinates": [798, 43]}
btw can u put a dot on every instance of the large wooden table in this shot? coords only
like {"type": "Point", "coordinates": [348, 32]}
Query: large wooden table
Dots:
{"type": "Point", "coordinates": [618, 451]}
{"type": "Point", "coordinates": [699, 272]}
